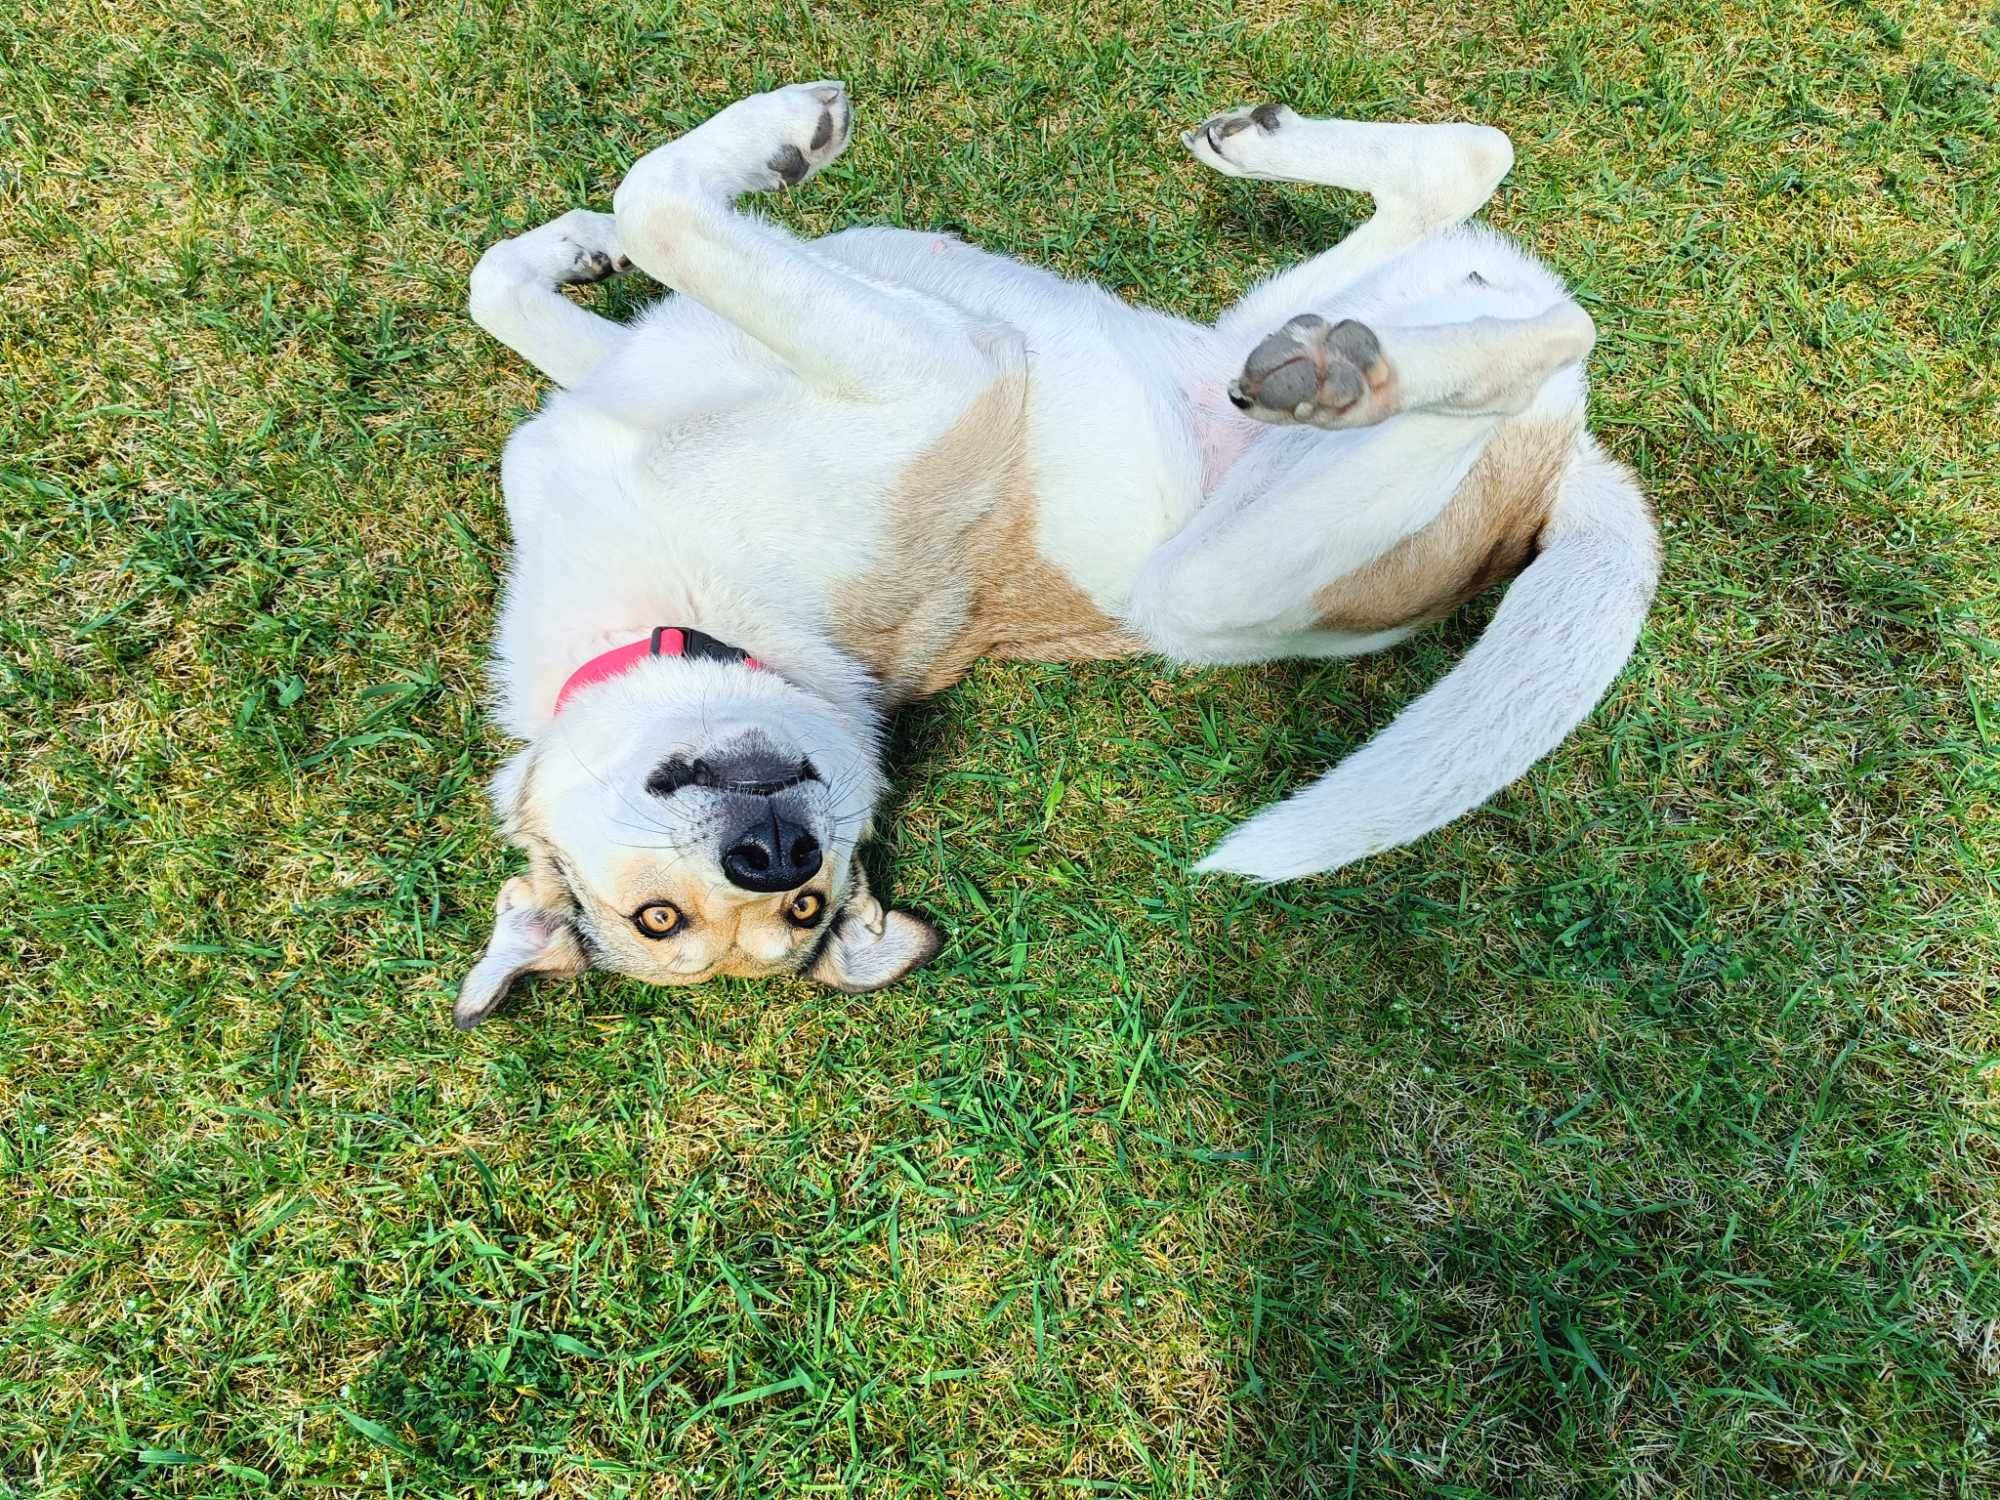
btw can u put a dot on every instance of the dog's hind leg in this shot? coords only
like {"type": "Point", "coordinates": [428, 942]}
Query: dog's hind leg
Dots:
{"type": "Point", "coordinates": [1423, 178]}
{"type": "Point", "coordinates": [516, 294]}
{"type": "Point", "coordinates": [1336, 375]}
{"type": "Point", "coordinates": [1246, 578]}
{"type": "Point", "coordinates": [851, 336]}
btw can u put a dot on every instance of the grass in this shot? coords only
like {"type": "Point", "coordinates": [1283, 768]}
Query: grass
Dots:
{"type": "Point", "coordinates": [1636, 1135]}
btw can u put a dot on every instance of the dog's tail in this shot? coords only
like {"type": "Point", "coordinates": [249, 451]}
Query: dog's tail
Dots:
{"type": "Point", "coordinates": [1556, 642]}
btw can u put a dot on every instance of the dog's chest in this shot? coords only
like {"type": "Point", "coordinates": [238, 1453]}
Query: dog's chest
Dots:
{"type": "Point", "coordinates": [956, 572]}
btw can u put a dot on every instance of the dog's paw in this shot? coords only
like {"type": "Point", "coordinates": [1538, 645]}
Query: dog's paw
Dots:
{"type": "Point", "coordinates": [775, 140]}
{"type": "Point", "coordinates": [1313, 371]}
{"type": "Point", "coordinates": [811, 123]}
{"type": "Point", "coordinates": [581, 247]}
{"type": "Point", "coordinates": [1240, 142]}
{"type": "Point", "coordinates": [766, 141]}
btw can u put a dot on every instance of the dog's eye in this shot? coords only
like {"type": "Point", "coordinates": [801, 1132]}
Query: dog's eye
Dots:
{"type": "Point", "coordinates": [806, 907]}
{"type": "Point", "coordinates": [658, 919]}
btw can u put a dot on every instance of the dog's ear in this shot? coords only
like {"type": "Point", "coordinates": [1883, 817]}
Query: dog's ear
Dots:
{"type": "Point", "coordinates": [871, 947]}
{"type": "Point", "coordinates": [528, 938]}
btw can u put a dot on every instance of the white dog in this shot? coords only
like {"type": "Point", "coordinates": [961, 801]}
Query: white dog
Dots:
{"type": "Point", "coordinates": [827, 477]}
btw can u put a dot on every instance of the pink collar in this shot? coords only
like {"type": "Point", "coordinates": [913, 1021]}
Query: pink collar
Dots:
{"type": "Point", "coordinates": [666, 640]}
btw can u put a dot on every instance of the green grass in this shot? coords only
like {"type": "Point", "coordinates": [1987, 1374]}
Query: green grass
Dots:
{"type": "Point", "coordinates": [1636, 1135]}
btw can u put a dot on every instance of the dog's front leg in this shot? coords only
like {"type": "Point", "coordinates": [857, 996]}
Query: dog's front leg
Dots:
{"type": "Point", "coordinates": [853, 337]}
{"type": "Point", "coordinates": [516, 294]}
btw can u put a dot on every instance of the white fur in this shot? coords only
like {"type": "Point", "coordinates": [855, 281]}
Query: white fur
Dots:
{"type": "Point", "coordinates": [730, 460]}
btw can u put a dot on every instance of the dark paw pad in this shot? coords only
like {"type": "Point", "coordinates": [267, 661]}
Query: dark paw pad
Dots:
{"type": "Point", "coordinates": [595, 265]}
{"type": "Point", "coordinates": [1283, 370]}
{"type": "Point", "coordinates": [1355, 344]}
{"type": "Point", "coordinates": [1310, 370]}
{"type": "Point", "coordinates": [1219, 128]}
{"type": "Point", "coordinates": [790, 164]}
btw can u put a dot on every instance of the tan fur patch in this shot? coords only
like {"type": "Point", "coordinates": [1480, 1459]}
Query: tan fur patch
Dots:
{"type": "Point", "coordinates": [960, 576]}
{"type": "Point", "coordinates": [1485, 535]}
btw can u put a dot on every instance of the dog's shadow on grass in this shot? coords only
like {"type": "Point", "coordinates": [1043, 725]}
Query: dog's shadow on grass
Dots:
{"type": "Point", "coordinates": [1265, 988]}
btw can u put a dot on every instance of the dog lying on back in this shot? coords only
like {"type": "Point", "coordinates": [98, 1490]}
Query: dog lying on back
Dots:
{"type": "Point", "coordinates": [827, 477]}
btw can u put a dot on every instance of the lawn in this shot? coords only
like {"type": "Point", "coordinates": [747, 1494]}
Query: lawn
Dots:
{"type": "Point", "coordinates": [1639, 1134]}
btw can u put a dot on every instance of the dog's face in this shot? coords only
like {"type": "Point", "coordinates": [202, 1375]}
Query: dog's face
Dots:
{"type": "Point", "coordinates": [690, 820]}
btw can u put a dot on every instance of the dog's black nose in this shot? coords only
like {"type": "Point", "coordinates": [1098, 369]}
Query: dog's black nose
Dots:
{"type": "Point", "coordinates": [771, 853]}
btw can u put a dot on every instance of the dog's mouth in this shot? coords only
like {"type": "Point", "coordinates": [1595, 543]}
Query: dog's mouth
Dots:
{"type": "Point", "coordinates": [753, 775]}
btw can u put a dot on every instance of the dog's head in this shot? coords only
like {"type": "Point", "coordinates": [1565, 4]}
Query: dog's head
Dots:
{"type": "Point", "coordinates": [688, 820]}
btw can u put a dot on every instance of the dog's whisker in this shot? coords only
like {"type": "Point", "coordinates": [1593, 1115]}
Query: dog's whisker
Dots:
{"type": "Point", "coordinates": [593, 774]}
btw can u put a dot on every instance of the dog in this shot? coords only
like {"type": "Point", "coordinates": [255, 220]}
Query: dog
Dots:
{"type": "Point", "coordinates": [825, 478]}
